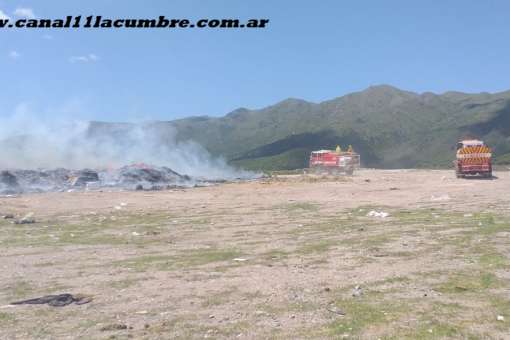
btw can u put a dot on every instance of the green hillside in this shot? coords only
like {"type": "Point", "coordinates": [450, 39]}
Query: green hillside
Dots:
{"type": "Point", "coordinates": [389, 127]}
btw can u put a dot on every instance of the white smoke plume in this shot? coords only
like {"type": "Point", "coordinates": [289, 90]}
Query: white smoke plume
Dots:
{"type": "Point", "coordinates": [27, 142]}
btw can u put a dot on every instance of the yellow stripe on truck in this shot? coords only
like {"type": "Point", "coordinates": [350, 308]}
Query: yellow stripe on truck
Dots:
{"type": "Point", "coordinates": [475, 155]}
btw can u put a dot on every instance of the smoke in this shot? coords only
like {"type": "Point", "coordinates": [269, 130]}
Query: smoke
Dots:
{"type": "Point", "coordinates": [27, 142]}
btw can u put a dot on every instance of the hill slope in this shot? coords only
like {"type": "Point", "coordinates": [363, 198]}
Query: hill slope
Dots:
{"type": "Point", "coordinates": [391, 128]}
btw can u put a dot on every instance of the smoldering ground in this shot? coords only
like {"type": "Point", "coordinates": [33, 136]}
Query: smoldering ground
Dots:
{"type": "Point", "coordinates": [148, 151]}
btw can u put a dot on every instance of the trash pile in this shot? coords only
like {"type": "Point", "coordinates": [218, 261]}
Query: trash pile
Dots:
{"type": "Point", "coordinates": [131, 177]}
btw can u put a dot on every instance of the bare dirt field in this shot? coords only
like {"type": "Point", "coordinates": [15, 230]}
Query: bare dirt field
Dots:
{"type": "Point", "coordinates": [291, 257]}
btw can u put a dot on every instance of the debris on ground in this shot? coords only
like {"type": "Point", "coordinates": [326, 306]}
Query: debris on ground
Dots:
{"type": "Point", "coordinates": [113, 327]}
{"type": "Point", "coordinates": [8, 216]}
{"type": "Point", "coordinates": [131, 177]}
{"type": "Point", "coordinates": [335, 309]}
{"type": "Point", "coordinates": [444, 197]}
{"type": "Point", "coordinates": [500, 318]}
{"type": "Point", "coordinates": [239, 259]}
{"type": "Point", "coordinates": [84, 177]}
{"type": "Point", "coordinates": [9, 183]}
{"type": "Point", "coordinates": [357, 291]}
{"type": "Point", "coordinates": [374, 213]}
{"type": "Point", "coordinates": [59, 300]}
{"type": "Point", "coordinates": [27, 219]}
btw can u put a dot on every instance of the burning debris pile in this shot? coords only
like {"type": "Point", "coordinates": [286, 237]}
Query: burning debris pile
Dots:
{"type": "Point", "coordinates": [50, 150]}
{"type": "Point", "coordinates": [132, 177]}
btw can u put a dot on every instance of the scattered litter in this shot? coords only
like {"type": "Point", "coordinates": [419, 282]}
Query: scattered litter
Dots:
{"type": "Point", "coordinates": [394, 188]}
{"type": "Point", "coordinates": [118, 207]}
{"type": "Point", "coordinates": [56, 300]}
{"type": "Point", "coordinates": [444, 197]}
{"type": "Point", "coordinates": [501, 318]}
{"type": "Point", "coordinates": [113, 327]}
{"type": "Point", "coordinates": [367, 180]}
{"type": "Point", "coordinates": [381, 214]}
{"type": "Point", "coordinates": [123, 204]}
{"type": "Point", "coordinates": [336, 310]}
{"type": "Point", "coordinates": [239, 259]}
{"type": "Point", "coordinates": [141, 312]}
{"type": "Point", "coordinates": [134, 233]}
{"type": "Point", "coordinates": [357, 291]}
{"type": "Point", "coordinates": [27, 219]}
{"type": "Point", "coordinates": [7, 216]}
{"type": "Point", "coordinates": [468, 215]}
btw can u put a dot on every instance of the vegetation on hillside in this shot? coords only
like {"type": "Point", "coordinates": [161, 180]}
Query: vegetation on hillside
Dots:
{"type": "Point", "coordinates": [390, 128]}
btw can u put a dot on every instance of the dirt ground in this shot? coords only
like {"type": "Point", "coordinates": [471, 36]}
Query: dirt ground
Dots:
{"type": "Point", "coordinates": [291, 257]}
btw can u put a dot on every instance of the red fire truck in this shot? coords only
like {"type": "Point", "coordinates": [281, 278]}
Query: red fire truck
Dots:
{"type": "Point", "coordinates": [334, 161]}
{"type": "Point", "coordinates": [473, 158]}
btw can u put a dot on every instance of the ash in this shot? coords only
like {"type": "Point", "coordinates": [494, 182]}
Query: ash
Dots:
{"type": "Point", "coordinates": [132, 177]}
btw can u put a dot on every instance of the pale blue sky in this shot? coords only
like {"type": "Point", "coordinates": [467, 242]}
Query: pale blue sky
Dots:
{"type": "Point", "coordinates": [314, 50]}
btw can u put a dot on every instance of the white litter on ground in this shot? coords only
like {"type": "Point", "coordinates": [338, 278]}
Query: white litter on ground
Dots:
{"type": "Point", "coordinates": [381, 214]}
{"type": "Point", "coordinates": [444, 197]}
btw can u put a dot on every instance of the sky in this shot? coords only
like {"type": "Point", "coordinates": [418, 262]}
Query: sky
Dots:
{"type": "Point", "coordinates": [314, 50]}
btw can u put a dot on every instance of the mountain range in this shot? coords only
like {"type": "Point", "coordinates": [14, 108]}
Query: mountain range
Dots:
{"type": "Point", "coordinates": [389, 127]}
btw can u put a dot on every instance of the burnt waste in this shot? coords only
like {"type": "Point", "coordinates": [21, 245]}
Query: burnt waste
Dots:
{"type": "Point", "coordinates": [131, 177]}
